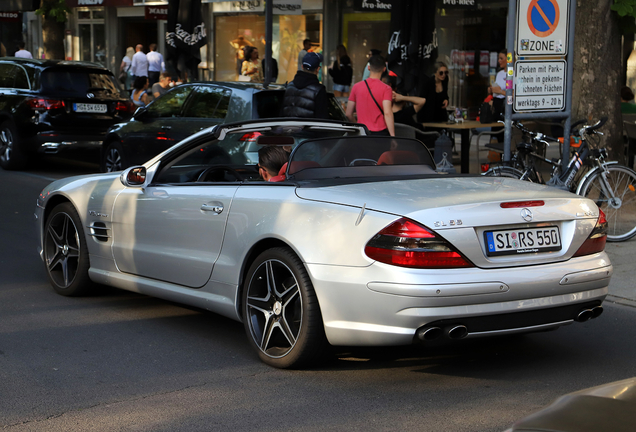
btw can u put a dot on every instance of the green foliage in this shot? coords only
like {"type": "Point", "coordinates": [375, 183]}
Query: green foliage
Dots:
{"type": "Point", "coordinates": [624, 7]}
{"type": "Point", "coordinates": [56, 9]}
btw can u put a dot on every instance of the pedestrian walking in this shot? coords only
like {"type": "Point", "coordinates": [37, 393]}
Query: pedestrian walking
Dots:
{"type": "Point", "coordinates": [371, 99]}
{"type": "Point", "coordinates": [156, 65]}
{"type": "Point", "coordinates": [125, 74]}
{"type": "Point", "coordinates": [251, 66]}
{"type": "Point", "coordinates": [22, 52]}
{"type": "Point", "coordinates": [341, 72]}
{"type": "Point", "coordinates": [139, 66]}
{"type": "Point", "coordinates": [305, 96]}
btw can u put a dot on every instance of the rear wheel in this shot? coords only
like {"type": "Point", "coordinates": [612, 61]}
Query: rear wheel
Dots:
{"type": "Point", "coordinates": [504, 171]}
{"type": "Point", "coordinates": [114, 158]}
{"type": "Point", "coordinates": [12, 156]}
{"type": "Point", "coordinates": [65, 252]}
{"type": "Point", "coordinates": [620, 211]}
{"type": "Point", "coordinates": [281, 312]}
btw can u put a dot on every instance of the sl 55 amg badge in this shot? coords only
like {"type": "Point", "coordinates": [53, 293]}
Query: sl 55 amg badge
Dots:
{"type": "Point", "coordinates": [452, 222]}
{"type": "Point", "coordinates": [97, 214]}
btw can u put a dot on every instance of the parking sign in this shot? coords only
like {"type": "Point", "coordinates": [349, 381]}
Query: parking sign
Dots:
{"type": "Point", "coordinates": [542, 27]}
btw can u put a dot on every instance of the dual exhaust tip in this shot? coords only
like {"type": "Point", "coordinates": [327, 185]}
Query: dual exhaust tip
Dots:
{"type": "Point", "coordinates": [591, 313]}
{"type": "Point", "coordinates": [460, 331]}
{"type": "Point", "coordinates": [457, 331]}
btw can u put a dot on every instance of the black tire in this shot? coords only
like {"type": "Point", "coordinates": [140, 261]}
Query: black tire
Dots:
{"type": "Point", "coordinates": [281, 313]}
{"type": "Point", "coordinates": [12, 155]}
{"type": "Point", "coordinates": [65, 252]}
{"type": "Point", "coordinates": [504, 171]}
{"type": "Point", "coordinates": [114, 158]}
{"type": "Point", "coordinates": [621, 213]}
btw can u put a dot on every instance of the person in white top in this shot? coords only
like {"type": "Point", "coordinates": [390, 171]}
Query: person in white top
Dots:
{"type": "Point", "coordinates": [156, 64]}
{"type": "Point", "coordinates": [22, 52]}
{"type": "Point", "coordinates": [139, 66]}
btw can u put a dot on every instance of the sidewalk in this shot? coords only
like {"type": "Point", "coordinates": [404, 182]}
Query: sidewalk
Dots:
{"type": "Point", "coordinates": [622, 288]}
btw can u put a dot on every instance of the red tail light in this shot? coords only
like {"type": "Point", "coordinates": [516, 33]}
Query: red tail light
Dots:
{"type": "Point", "coordinates": [250, 136]}
{"type": "Point", "coordinates": [405, 243]}
{"type": "Point", "coordinates": [45, 104]}
{"type": "Point", "coordinates": [124, 107]}
{"type": "Point", "coordinates": [595, 243]}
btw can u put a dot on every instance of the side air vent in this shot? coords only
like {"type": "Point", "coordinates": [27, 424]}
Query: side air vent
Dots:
{"type": "Point", "coordinates": [99, 231]}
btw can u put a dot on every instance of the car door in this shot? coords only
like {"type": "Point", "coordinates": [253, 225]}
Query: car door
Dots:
{"type": "Point", "coordinates": [172, 230]}
{"type": "Point", "coordinates": [158, 127]}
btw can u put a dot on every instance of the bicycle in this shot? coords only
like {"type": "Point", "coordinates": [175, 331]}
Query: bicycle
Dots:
{"type": "Point", "coordinates": [610, 185]}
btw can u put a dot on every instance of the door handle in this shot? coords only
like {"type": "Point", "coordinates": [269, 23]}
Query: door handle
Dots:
{"type": "Point", "coordinates": [166, 127]}
{"type": "Point", "coordinates": [216, 208]}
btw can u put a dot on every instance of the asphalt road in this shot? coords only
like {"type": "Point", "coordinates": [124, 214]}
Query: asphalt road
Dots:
{"type": "Point", "coordinates": [118, 361]}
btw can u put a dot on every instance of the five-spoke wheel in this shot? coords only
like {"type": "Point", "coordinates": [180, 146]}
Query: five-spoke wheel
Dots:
{"type": "Point", "coordinates": [280, 310]}
{"type": "Point", "coordinates": [65, 254]}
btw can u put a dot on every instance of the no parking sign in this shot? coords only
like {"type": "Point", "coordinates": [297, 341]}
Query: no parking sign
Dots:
{"type": "Point", "coordinates": [542, 27]}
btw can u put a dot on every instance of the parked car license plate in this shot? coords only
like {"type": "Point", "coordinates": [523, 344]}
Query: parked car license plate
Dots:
{"type": "Point", "coordinates": [522, 241]}
{"type": "Point", "coordinates": [89, 108]}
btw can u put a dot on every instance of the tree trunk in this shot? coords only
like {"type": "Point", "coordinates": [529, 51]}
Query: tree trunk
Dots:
{"type": "Point", "coordinates": [597, 71]}
{"type": "Point", "coordinates": [52, 35]}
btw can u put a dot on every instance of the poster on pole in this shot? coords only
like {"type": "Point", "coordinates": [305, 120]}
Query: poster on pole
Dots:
{"type": "Point", "coordinates": [540, 86]}
{"type": "Point", "coordinates": [542, 27]}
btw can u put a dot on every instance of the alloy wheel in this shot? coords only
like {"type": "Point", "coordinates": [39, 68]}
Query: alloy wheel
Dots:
{"type": "Point", "coordinates": [274, 308]}
{"type": "Point", "coordinates": [112, 160]}
{"type": "Point", "coordinates": [62, 249]}
{"type": "Point", "coordinates": [6, 144]}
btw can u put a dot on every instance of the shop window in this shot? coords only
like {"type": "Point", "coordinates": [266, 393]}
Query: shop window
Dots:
{"type": "Point", "coordinates": [233, 33]}
{"type": "Point", "coordinates": [92, 35]}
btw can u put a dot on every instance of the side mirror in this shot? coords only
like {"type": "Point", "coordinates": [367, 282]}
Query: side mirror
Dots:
{"type": "Point", "coordinates": [133, 176]}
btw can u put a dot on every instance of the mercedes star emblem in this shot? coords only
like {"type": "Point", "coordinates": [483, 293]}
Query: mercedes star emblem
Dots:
{"type": "Point", "coordinates": [526, 215]}
{"type": "Point", "coordinates": [90, 95]}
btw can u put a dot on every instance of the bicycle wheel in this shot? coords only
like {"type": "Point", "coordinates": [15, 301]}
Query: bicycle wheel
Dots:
{"type": "Point", "coordinates": [620, 211]}
{"type": "Point", "coordinates": [504, 171]}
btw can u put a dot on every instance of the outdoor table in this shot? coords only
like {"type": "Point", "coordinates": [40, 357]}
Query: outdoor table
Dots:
{"type": "Point", "coordinates": [464, 127]}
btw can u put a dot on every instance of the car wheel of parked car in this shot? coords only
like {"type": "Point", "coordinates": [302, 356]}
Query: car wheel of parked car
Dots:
{"type": "Point", "coordinates": [114, 158]}
{"type": "Point", "coordinates": [65, 252]}
{"type": "Point", "coordinates": [280, 311]}
{"type": "Point", "coordinates": [12, 157]}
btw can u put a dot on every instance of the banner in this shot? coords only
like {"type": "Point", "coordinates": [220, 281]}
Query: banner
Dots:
{"type": "Point", "coordinates": [185, 35]}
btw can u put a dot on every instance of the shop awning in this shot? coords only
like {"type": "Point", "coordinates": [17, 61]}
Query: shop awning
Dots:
{"type": "Point", "coordinates": [19, 5]}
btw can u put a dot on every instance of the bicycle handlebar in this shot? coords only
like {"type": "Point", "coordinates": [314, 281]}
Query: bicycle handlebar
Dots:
{"type": "Point", "coordinates": [536, 136]}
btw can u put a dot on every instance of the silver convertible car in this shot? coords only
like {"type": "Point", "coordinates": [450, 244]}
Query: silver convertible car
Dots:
{"type": "Point", "coordinates": [359, 242]}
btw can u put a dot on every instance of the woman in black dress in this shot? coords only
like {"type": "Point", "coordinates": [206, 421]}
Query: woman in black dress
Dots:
{"type": "Point", "coordinates": [435, 92]}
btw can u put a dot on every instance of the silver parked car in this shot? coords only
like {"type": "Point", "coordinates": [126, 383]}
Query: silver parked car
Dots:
{"type": "Point", "coordinates": [359, 242]}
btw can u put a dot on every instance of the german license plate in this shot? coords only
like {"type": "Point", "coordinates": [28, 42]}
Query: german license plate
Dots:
{"type": "Point", "coordinates": [89, 108]}
{"type": "Point", "coordinates": [522, 241]}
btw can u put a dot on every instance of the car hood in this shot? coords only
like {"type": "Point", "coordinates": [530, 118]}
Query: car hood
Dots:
{"type": "Point", "coordinates": [452, 197]}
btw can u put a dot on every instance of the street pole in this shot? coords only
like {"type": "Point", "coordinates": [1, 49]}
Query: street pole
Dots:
{"type": "Point", "coordinates": [269, 32]}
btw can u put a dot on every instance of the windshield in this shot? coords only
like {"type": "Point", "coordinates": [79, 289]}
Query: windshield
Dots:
{"type": "Point", "coordinates": [359, 156]}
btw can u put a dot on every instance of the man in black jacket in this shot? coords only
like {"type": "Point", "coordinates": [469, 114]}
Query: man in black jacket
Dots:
{"type": "Point", "coordinates": [305, 96]}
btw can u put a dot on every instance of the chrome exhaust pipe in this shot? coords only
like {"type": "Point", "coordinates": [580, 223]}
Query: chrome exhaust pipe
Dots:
{"type": "Point", "coordinates": [584, 315]}
{"type": "Point", "coordinates": [597, 311]}
{"type": "Point", "coordinates": [428, 334]}
{"type": "Point", "coordinates": [457, 332]}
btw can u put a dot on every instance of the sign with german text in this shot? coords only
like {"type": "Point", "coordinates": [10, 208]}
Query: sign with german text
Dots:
{"type": "Point", "coordinates": [372, 5]}
{"type": "Point", "coordinates": [542, 27]}
{"type": "Point", "coordinates": [539, 85]}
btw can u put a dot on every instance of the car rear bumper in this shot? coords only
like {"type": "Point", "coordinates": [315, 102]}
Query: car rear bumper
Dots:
{"type": "Point", "coordinates": [393, 303]}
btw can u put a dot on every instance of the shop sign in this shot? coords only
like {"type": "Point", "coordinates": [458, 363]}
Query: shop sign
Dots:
{"type": "Point", "coordinates": [84, 3]}
{"type": "Point", "coordinates": [287, 7]}
{"type": "Point", "coordinates": [540, 85]}
{"type": "Point", "coordinates": [464, 4]}
{"type": "Point", "coordinates": [10, 16]}
{"type": "Point", "coordinates": [372, 5]}
{"type": "Point", "coordinates": [542, 27]}
{"type": "Point", "coordinates": [156, 12]}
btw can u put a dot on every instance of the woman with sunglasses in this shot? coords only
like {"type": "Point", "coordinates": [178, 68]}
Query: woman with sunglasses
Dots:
{"type": "Point", "coordinates": [435, 92]}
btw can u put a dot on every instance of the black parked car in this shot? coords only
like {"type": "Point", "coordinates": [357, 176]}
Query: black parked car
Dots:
{"type": "Point", "coordinates": [187, 109]}
{"type": "Point", "coordinates": [49, 105]}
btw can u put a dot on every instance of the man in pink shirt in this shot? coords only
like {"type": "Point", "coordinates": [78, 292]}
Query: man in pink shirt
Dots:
{"type": "Point", "coordinates": [371, 99]}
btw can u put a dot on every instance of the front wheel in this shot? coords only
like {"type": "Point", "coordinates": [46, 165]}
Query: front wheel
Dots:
{"type": "Point", "coordinates": [281, 312]}
{"type": "Point", "coordinates": [620, 210]}
{"type": "Point", "coordinates": [504, 171]}
{"type": "Point", "coordinates": [65, 252]}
